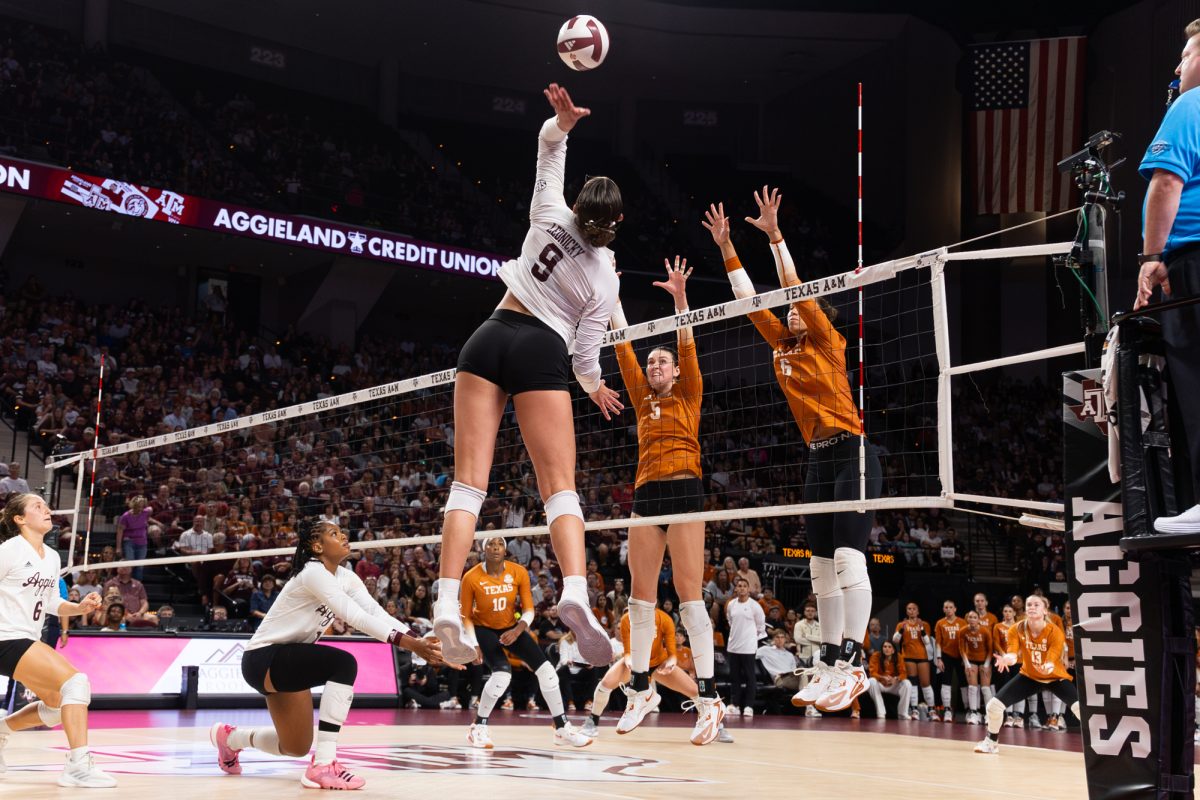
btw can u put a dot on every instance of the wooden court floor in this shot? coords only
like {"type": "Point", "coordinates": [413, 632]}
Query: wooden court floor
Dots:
{"type": "Point", "coordinates": [167, 755]}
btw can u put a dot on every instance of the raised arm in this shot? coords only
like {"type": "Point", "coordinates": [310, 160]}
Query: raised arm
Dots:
{"type": "Point", "coordinates": [631, 371]}
{"type": "Point", "coordinates": [676, 286]}
{"type": "Point", "coordinates": [552, 151]}
{"type": "Point", "coordinates": [717, 224]}
{"type": "Point", "coordinates": [819, 326]}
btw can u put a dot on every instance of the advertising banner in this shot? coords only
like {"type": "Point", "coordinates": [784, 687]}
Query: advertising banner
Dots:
{"type": "Point", "coordinates": [123, 664]}
{"type": "Point", "coordinates": [163, 205]}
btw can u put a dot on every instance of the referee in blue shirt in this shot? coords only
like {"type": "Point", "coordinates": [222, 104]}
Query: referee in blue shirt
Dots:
{"type": "Point", "coordinates": [1170, 257]}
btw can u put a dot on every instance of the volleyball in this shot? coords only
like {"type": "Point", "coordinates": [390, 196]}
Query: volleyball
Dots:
{"type": "Point", "coordinates": [583, 43]}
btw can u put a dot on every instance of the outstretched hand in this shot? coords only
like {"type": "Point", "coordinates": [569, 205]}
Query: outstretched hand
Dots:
{"type": "Point", "coordinates": [609, 400]}
{"type": "Point", "coordinates": [716, 223]}
{"type": "Point", "coordinates": [568, 113]}
{"type": "Point", "coordinates": [768, 210]}
{"type": "Point", "coordinates": [676, 282]}
{"type": "Point", "coordinates": [428, 649]}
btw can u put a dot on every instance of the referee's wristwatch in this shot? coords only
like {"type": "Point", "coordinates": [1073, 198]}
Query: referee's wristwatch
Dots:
{"type": "Point", "coordinates": [1146, 258]}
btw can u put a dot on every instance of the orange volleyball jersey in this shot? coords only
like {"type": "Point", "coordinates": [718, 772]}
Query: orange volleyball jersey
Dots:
{"type": "Point", "coordinates": [987, 620]}
{"type": "Point", "coordinates": [976, 645]}
{"type": "Point", "coordinates": [664, 637]}
{"type": "Point", "coordinates": [1056, 619]}
{"type": "Point", "coordinates": [947, 634]}
{"type": "Point", "coordinates": [492, 601]}
{"type": "Point", "coordinates": [668, 427]}
{"type": "Point", "coordinates": [877, 668]}
{"type": "Point", "coordinates": [912, 644]}
{"type": "Point", "coordinates": [1036, 652]}
{"type": "Point", "coordinates": [1000, 636]}
{"type": "Point", "coordinates": [812, 372]}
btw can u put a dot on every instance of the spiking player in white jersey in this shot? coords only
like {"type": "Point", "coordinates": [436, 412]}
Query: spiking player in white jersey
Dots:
{"type": "Point", "coordinates": [561, 293]}
{"type": "Point", "coordinates": [28, 594]}
{"type": "Point", "coordinates": [283, 660]}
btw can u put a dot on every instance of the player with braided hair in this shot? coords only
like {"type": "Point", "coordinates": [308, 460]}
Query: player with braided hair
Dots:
{"type": "Point", "coordinates": [283, 660]}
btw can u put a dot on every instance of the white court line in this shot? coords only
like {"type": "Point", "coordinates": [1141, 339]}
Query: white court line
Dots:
{"type": "Point", "coordinates": [889, 777]}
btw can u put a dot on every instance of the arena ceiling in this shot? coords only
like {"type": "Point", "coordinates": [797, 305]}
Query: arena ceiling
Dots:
{"type": "Point", "coordinates": [735, 49]}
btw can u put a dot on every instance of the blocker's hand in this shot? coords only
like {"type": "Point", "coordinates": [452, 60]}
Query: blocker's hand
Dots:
{"type": "Point", "coordinates": [716, 223]}
{"type": "Point", "coordinates": [609, 400]}
{"type": "Point", "coordinates": [676, 282]}
{"type": "Point", "coordinates": [768, 210]}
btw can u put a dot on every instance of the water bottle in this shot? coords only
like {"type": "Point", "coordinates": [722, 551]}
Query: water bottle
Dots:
{"type": "Point", "coordinates": [122, 625]}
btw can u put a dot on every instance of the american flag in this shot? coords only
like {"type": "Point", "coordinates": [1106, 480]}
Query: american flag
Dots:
{"type": "Point", "coordinates": [1025, 115]}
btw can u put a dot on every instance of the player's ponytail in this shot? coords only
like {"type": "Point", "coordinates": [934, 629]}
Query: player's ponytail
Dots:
{"type": "Point", "coordinates": [15, 507]}
{"type": "Point", "coordinates": [598, 210]}
{"type": "Point", "coordinates": [309, 532]}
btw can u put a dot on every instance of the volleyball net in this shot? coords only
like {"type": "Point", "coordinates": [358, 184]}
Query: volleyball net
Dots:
{"type": "Point", "coordinates": [380, 459]}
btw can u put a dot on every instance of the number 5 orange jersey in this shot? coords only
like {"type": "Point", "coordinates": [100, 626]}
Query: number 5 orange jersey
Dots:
{"type": "Point", "coordinates": [491, 601]}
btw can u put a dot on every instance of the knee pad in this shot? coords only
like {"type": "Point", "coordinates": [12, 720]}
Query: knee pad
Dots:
{"type": "Point", "coordinates": [824, 577]}
{"type": "Point", "coordinates": [850, 566]}
{"type": "Point", "coordinates": [77, 690]}
{"type": "Point", "coordinates": [464, 498]}
{"type": "Point", "coordinates": [995, 714]}
{"type": "Point", "coordinates": [499, 681]}
{"type": "Point", "coordinates": [50, 717]}
{"type": "Point", "coordinates": [564, 503]}
{"type": "Point", "coordinates": [547, 678]}
{"type": "Point", "coordinates": [640, 611]}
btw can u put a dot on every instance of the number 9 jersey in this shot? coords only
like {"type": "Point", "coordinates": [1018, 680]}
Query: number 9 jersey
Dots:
{"type": "Point", "coordinates": [28, 589]}
{"type": "Point", "coordinates": [563, 281]}
{"type": "Point", "coordinates": [491, 601]}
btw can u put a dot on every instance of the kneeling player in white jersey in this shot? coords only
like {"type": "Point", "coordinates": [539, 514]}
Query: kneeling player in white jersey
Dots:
{"type": "Point", "coordinates": [283, 662]}
{"type": "Point", "coordinates": [662, 670]}
{"type": "Point", "coordinates": [561, 293]}
{"type": "Point", "coordinates": [28, 594]}
{"type": "Point", "coordinates": [491, 593]}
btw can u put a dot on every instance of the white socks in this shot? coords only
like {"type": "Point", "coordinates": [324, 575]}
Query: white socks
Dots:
{"type": "Point", "coordinates": [447, 599]}
{"type": "Point", "coordinates": [264, 739]}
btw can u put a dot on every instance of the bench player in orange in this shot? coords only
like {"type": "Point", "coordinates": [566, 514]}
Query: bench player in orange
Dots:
{"type": "Point", "coordinates": [977, 662]}
{"type": "Point", "coordinates": [667, 396]}
{"type": "Point", "coordinates": [947, 657]}
{"type": "Point", "coordinates": [490, 595]}
{"type": "Point", "coordinates": [912, 637]}
{"type": "Point", "coordinates": [1039, 647]}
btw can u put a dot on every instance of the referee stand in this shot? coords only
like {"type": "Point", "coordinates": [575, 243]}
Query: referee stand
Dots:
{"type": "Point", "coordinates": [1131, 586]}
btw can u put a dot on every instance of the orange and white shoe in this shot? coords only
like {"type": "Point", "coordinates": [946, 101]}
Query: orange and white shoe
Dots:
{"type": "Point", "coordinates": [448, 629]}
{"type": "Point", "coordinates": [639, 705]}
{"type": "Point", "coordinates": [819, 676]}
{"type": "Point", "coordinates": [330, 776]}
{"type": "Point", "coordinates": [710, 713]}
{"type": "Point", "coordinates": [478, 736]}
{"type": "Point", "coordinates": [846, 682]}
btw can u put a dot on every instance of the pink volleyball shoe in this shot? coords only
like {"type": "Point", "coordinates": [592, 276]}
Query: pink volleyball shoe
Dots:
{"type": "Point", "coordinates": [330, 776]}
{"type": "Point", "coordinates": [227, 757]}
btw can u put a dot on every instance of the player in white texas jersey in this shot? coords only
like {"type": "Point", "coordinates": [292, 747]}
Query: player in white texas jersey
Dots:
{"type": "Point", "coordinates": [283, 660]}
{"type": "Point", "coordinates": [28, 594]}
{"type": "Point", "coordinates": [561, 292]}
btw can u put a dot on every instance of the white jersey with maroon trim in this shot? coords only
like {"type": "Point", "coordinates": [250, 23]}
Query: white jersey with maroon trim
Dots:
{"type": "Point", "coordinates": [28, 589]}
{"type": "Point", "coordinates": [562, 280]}
{"type": "Point", "coordinates": [310, 601]}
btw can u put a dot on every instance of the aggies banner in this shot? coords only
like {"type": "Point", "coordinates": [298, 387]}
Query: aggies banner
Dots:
{"type": "Point", "coordinates": [1117, 606]}
{"type": "Point", "coordinates": [163, 205]}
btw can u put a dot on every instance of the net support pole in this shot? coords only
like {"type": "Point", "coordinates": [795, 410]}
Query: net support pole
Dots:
{"type": "Point", "coordinates": [87, 540]}
{"type": "Point", "coordinates": [75, 518]}
{"type": "Point", "coordinates": [941, 339]}
{"type": "Point", "coordinates": [862, 428]}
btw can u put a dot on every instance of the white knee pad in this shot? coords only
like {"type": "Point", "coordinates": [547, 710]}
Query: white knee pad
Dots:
{"type": "Point", "coordinates": [564, 503]}
{"type": "Point", "coordinates": [547, 678]}
{"type": "Point", "coordinates": [995, 715]}
{"type": "Point", "coordinates": [498, 683]}
{"type": "Point", "coordinates": [76, 690]}
{"type": "Point", "coordinates": [824, 577]}
{"type": "Point", "coordinates": [464, 498]}
{"type": "Point", "coordinates": [50, 717]}
{"type": "Point", "coordinates": [850, 566]}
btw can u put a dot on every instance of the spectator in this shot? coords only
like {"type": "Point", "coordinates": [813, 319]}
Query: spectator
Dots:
{"type": "Point", "coordinates": [750, 576]}
{"type": "Point", "coordinates": [13, 483]}
{"type": "Point", "coordinates": [264, 597]}
{"type": "Point", "coordinates": [133, 594]}
{"type": "Point", "coordinates": [887, 671]}
{"type": "Point", "coordinates": [133, 529]}
{"type": "Point", "coordinates": [114, 617]}
{"type": "Point", "coordinates": [780, 662]}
